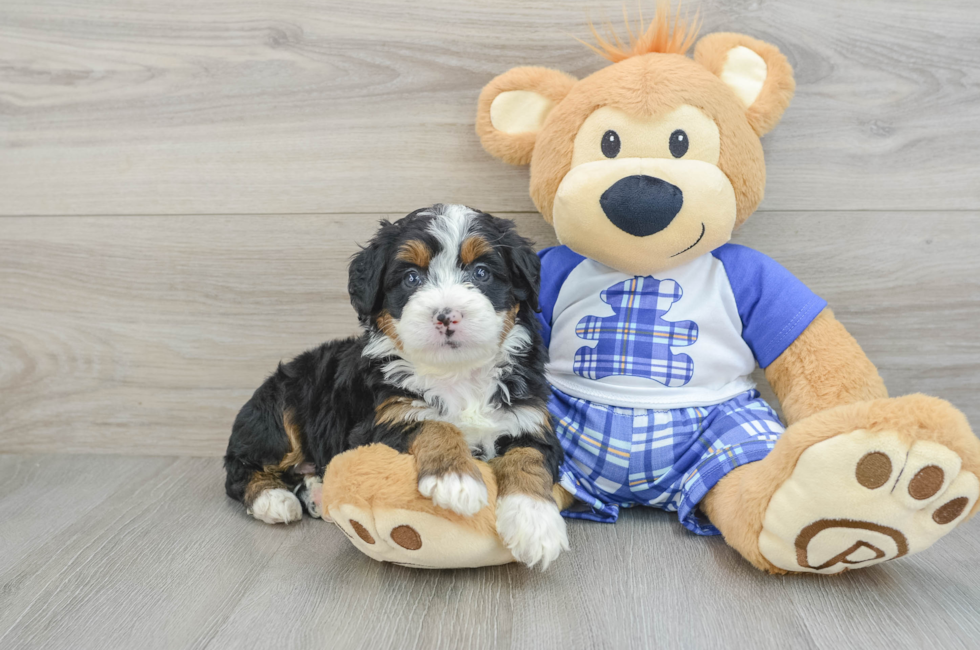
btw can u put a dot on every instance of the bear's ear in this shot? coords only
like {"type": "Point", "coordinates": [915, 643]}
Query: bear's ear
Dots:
{"type": "Point", "coordinates": [514, 106]}
{"type": "Point", "coordinates": [757, 72]}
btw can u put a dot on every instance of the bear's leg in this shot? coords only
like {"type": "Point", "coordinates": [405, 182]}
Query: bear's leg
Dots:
{"type": "Point", "coordinates": [852, 486]}
{"type": "Point", "coordinates": [372, 494]}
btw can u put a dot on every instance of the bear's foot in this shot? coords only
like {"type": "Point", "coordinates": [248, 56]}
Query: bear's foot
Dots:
{"type": "Point", "coordinates": [861, 498]}
{"type": "Point", "coordinates": [417, 539]}
{"type": "Point", "coordinates": [372, 494]}
{"type": "Point", "coordinates": [851, 487]}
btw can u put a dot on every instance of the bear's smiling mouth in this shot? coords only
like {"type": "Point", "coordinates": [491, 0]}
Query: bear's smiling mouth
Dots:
{"type": "Point", "coordinates": [700, 237]}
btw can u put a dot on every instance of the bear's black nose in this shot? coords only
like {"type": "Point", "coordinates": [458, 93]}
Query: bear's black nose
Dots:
{"type": "Point", "coordinates": [641, 205]}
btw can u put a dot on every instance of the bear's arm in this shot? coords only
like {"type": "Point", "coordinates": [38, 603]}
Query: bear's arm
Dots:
{"type": "Point", "coordinates": [824, 367]}
{"type": "Point", "coordinates": [811, 361]}
{"type": "Point", "coordinates": [557, 262]}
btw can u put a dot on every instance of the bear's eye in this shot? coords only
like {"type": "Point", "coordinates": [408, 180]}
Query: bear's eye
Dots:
{"type": "Point", "coordinates": [678, 143]}
{"type": "Point", "coordinates": [610, 144]}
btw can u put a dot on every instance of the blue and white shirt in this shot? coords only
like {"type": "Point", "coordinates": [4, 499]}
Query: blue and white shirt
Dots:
{"type": "Point", "coordinates": [690, 336]}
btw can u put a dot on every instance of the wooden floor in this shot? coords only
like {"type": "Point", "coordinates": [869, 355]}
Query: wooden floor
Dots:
{"type": "Point", "coordinates": [181, 186]}
{"type": "Point", "coordinates": [108, 552]}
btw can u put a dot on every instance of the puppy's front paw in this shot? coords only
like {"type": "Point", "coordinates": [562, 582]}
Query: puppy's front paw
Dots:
{"type": "Point", "coordinates": [533, 529]}
{"type": "Point", "coordinates": [461, 493]}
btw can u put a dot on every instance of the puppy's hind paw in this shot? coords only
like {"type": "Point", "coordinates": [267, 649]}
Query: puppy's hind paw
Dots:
{"type": "Point", "coordinates": [276, 506]}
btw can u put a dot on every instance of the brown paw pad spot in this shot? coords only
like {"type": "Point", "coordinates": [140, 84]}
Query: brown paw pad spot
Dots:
{"type": "Point", "coordinates": [950, 511]}
{"type": "Point", "coordinates": [873, 470]}
{"type": "Point", "coordinates": [926, 482]}
{"type": "Point", "coordinates": [406, 537]}
{"type": "Point", "coordinates": [361, 532]}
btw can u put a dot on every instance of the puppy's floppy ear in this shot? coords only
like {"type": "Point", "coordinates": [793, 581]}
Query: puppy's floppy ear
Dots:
{"type": "Point", "coordinates": [757, 72]}
{"type": "Point", "coordinates": [523, 263]}
{"type": "Point", "coordinates": [365, 274]}
{"type": "Point", "coordinates": [513, 108]}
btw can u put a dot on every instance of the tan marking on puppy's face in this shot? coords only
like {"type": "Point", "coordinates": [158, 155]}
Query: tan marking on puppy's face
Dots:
{"type": "Point", "coordinates": [521, 471]}
{"type": "Point", "coordinates": [387, 326]}
{"type": "Point", "coordinates": [645, 194]}
{"type": "Point", "coordinates": [510, 320]}
{"type": "Point", "coordinates": [473, 248]}
{"type": "Point", "coordinates": [415, 252]}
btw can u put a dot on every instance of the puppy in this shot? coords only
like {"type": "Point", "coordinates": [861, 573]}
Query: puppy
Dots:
{"type": "Point", "coordinates": [449, 367]}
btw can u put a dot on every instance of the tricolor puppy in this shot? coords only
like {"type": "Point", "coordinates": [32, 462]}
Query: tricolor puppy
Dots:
{"type": "Point", "coordinates": [450, 366]}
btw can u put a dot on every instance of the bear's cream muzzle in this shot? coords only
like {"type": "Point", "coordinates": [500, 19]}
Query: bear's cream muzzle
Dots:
{"type": "Point", "coordinates": [644, 215]}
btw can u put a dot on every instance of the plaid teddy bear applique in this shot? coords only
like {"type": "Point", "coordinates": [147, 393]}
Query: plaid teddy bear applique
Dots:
{"type": "Point", "coordinates": [637, 340]}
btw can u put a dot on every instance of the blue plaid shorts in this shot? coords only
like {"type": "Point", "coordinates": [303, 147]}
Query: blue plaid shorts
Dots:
{"type": "Point", "coordinates": [622, 457]}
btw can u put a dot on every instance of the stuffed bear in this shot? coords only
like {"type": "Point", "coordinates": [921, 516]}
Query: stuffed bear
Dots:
{"type": "Point", "coordinates": [654, 323]}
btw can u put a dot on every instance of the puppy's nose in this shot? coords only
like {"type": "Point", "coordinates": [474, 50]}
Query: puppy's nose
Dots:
{"type": "Point", "coordinates": [446, 319]}
{"type": "Point", "coordinates": [641, 205]}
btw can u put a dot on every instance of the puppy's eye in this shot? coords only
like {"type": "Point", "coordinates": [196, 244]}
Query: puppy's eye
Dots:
{"type": "Point", "coordinates": [481, 273]}
{"type": "Point", "coordinates": [679, 143]}
{"type": "Point", "coordinates": [412, 278]}
{"type": "Point", "coordinates": [611, 144]}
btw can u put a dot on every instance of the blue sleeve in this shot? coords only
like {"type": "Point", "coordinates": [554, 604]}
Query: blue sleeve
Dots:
{"type": "Point", "coordinates": [775, 307]}
{"type": "Point", "coordinates": [556, 263]}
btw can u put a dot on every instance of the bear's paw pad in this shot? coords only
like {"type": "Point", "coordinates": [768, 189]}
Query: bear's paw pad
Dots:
{"type": "Point", "coordinates": [861, 498]}
{"type": "Point", "coordinates": [416, 539]}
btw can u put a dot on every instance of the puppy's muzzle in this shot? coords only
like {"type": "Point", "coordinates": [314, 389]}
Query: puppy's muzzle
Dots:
{"type": "Point", "coordinates": [641, 205]}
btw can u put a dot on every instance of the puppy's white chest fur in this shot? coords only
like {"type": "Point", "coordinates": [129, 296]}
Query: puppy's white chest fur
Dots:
{"type": "Point", "coordinates": [474, 399]}
{"type": "Point", "coordinates": [466, 402]}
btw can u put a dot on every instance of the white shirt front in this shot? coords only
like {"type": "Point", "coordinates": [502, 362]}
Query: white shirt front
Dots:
{"type": "Point", "coordinates": [668, 341]}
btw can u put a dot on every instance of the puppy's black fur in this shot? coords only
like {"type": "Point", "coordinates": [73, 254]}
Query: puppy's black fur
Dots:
{"type": "Point", "coordinates": [329, 396]}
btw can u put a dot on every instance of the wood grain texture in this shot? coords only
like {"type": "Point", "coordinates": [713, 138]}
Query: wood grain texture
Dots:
{"type": "Point", "coordinates": [168, 561]}
{"type": "Point", "coordinates": [243, 107]}
{"type": "Point", "coordinates": [267, 137]}
{"type": "Point", "coordinates": [40, 497]}
{"type": "Point", "coordinates": [145, 335]}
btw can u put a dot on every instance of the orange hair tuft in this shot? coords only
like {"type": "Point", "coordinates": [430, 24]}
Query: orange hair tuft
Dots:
{"type": "Point", "coordinates": [662, 35]}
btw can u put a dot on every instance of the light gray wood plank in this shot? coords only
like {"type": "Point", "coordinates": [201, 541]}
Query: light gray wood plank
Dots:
{"type": "Point", "coordinates": [40, 496]}
{"type": "Point", "coordinates": [145, 335]}
{"type": "Point", "coordinates": [241, 106]}
{"type": "Point", "coordinates": [170, 562]}
{"type": "Point", "coordinates": [160, 564]}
